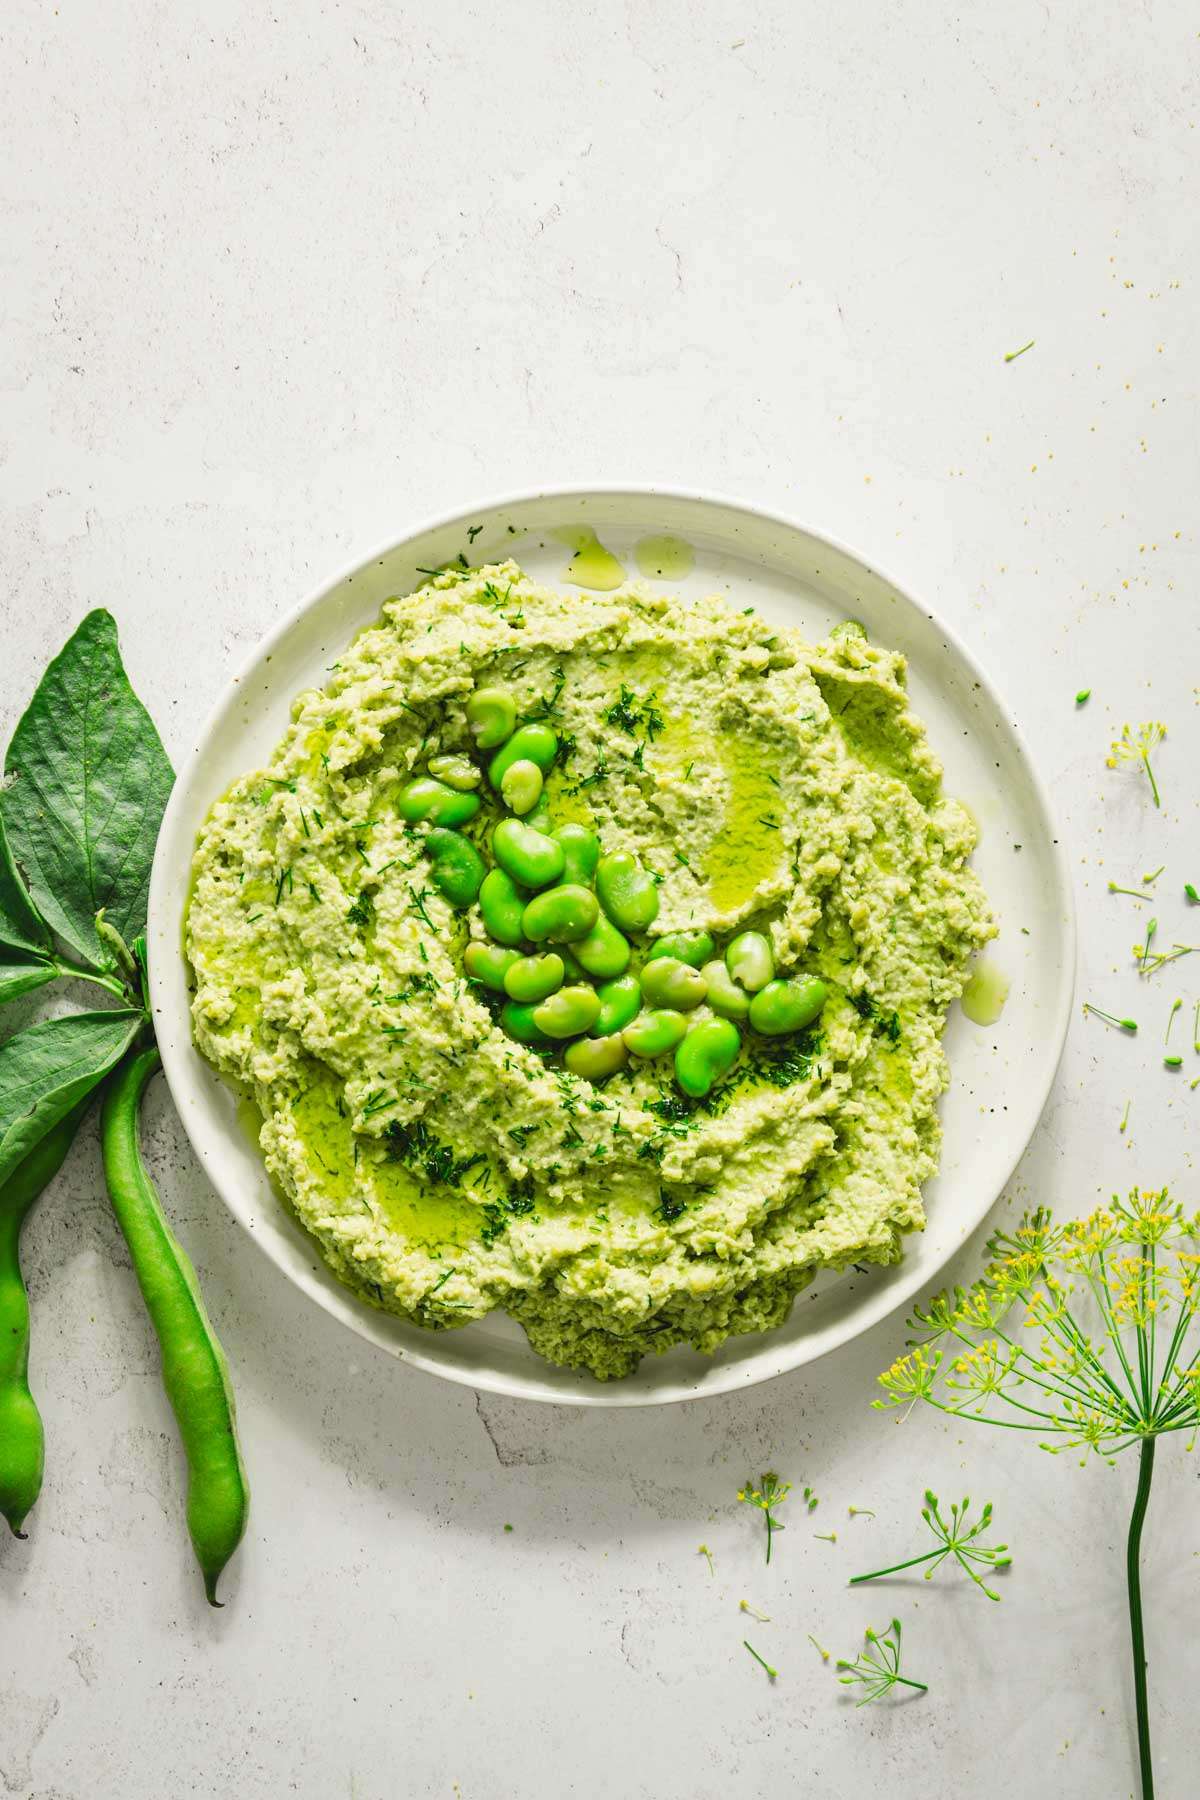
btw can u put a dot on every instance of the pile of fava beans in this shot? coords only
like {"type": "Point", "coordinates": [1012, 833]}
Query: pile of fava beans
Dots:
{"type": "Point", "coordinates": [560, 915]}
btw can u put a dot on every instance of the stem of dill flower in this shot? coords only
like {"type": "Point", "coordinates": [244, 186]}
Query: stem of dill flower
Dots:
{"type": "Point", "coordinates": [895, 1568]}
{"type": "Point", "coordinates": [1150, 773]}
{"type": "Point", "coordinates": [1133, 1577]}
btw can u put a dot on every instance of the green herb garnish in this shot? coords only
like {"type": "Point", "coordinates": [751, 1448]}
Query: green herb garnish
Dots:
{"type": "Point", "coordinates": [413, 1144]}
{"type": "Point", "coordinates": [878, 1667]}
{"type": "Point", "coordinates": [598, 774]}
{"type": "Point", "coordinates": [1129, 1025]}
{"type": "Point", "coordinates": [954, 1538]}
{"type": "Point", "coordinates": [1012, 355]}
{"type": "Point", "coordinates": [770, 1493]}
{"type": "Point", "coordinates": [771, 1673]}
{"type": "Point", "coordinates": [1136, 749]}
{"type": "Point", "coordinates": [1084, 1334]}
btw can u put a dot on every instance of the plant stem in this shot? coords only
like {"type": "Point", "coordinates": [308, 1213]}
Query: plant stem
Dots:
{"type": "Point", "coordinates": [876, 1573]}
{"type": "Point", "coordinates": [79, 972]}
{"type": "Point", "coordinates": [1134, 1580]}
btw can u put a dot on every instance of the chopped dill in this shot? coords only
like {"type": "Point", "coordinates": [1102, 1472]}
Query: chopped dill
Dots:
{"type": "Point", "coordinates": [419, 897]}
{"type": "Point", "coordinates": [413, 1144]}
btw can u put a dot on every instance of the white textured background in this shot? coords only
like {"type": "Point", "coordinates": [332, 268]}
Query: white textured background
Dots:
{"type": "Point", "coordinates": [278, 283]}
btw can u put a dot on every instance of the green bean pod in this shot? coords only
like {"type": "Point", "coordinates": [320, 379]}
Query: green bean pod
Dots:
{"type": "Point", "coordinates": [22, 1439]}
{"type": "Point", "coordinates": [194, 1371]}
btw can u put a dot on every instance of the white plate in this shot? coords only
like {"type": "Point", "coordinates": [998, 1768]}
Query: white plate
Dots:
{"type": "Point", "coordinates": [1000, 1075]}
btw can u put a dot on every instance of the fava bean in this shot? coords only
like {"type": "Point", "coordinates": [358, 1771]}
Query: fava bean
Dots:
{"type": "Point", "coordinates": [491, 716]}
{"type": "Point", "coordinates": [502, 904]}
{"type": "Point", "coordinates": [784, 1006]}
{"type": "Point", "coordinates": [575, 970]}
{"type": "Point", "coordinates": [194, 1371]}
{"type": "Point", "coordinates": [628, 892]}
{"type": "Point", "coordinates": [668, 982]}
{"type": "Point", "coordinates": [604, 952]}
{"type": "Point", "coordinates": [581, 849]}
{"type": "Point", "coordinates": [724, 995]}
{"type": "Point", "coordinates": [539, 819]}
{"type": "Point", "coordinates": [707, 1052]}
{"type": "Point", "coordinates": [749, 960]}
{"type": "Point", "coordinates": [519, 1022]}
{"type": "Point", "coordinates": [654, 1033]}
{"type": "Point", "coordinates": [533, 978]}
{"type": "Point", "coordinates": [569, 1013]}
{"type": "Point", "coordinates": [561, 915]}
{"type": "Point", "coordinates": [426, 798]}
{"type": "Point", "coordinates": [620, 1003]}
{"type": "Point", "coordinates": [22, 1438]}
{"type": "Point", "coordinates": [527, 855]}
{"type": "Point", "coordinates": [455, 865]}
{"type": "Point", "coordinates": [532, 743]}
{"type": "Point", "coordinates": [596, 1058]}
{"type": "Point", "coordinates": [489, 963]}
{"type": "Point", "coordinates": [521, 788]}
{"type": "Point", "coordinates": [691, 947]}
{"type": "Point", "coordinates": [849, 628]}
{"type": "Point", "coordinates": [456, 771]}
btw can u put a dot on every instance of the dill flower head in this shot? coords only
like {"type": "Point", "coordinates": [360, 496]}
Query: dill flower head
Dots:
{"type": "Point", "coordinates": [1084, 1333]}
{"type": "Point", "coordinates": [1135, 747]}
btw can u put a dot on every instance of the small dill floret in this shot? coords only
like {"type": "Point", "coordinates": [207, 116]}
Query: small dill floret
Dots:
{"type": "Point", "coordinates": [1135, 747]}
{"type": "Point", "coordinates": [877, 1668]}
{"type": "Point", "coordinates": [770, 1493]}
{"type": "Point", "coordinates": [954, 1538]}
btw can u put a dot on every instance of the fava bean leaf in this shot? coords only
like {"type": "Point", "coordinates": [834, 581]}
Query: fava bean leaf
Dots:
{"type": "Point", "coordinates": [88, 779]}
{"type": "Point", "coordinates": [49, 1068]}
{"type": "Point", "coordinates": [26, 953]}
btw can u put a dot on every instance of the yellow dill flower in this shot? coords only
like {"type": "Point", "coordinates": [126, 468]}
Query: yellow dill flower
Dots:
{"type": "Point", "coordinates": [1136, 748]}
{"type": "Point", "coordinates": [981, 1308]}
{"type": "Point", "coordinates": [910, 1377]}
{"type": "Point", "coordinates": [1080, 1365]}
{"type": "Point", "coordinates": [770, 1493]}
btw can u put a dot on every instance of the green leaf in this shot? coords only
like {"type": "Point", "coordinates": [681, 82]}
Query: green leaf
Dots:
{"type": "Point", "coordinates": [48, 1069]}
{"type": "Point", "coordinates": [26, 952]}
{"type": "Point", "coordinates": [88, 781]}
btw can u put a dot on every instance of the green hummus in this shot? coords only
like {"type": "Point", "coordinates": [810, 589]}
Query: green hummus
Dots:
{"type": "Point", "coordinates": [445, 1168]}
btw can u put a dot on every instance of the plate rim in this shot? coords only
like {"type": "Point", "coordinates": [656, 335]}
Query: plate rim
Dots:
{"type": "Point", "coordinates": [778, 1357]}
